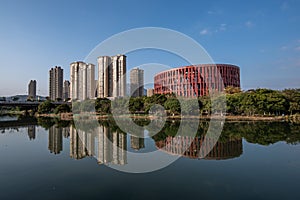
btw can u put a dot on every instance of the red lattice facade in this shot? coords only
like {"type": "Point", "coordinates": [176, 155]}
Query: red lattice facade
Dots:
{"type": "Point", "coordinates": [197, 80]}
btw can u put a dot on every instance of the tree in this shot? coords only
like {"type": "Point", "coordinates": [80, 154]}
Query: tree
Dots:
{"type": "Point", "coordinates": [190, 106]}
{"type": "Point", "coordinates": [293, 98]}
{"type": "Point", "coordinates": [45, 107]}
{"type": "Point", "coordinates": [206, 104]}
{"type": "Point", "coordinates": [218, 104]}
{"type": "Point", "coordinates": [63, 108]}
{"type": "Point", "coordinates": [103, 105]}
{"type": "Point", "coordinates": [248, 103]}
{"type": "Point", "coordinates": [233, 103]}
{"type": "Point", "coordinates": [232, 90]}
{"type": "Point", "coordinates": [87, 105]}
{"type": "Point", "coordinates": [172, 105]}
{"type": "Point", "coordinates": [120, 105]}
{"type": "Point", "coordinates": [136, 104]}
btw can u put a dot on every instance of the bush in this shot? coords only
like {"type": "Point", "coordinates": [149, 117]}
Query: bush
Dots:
{"type": "Point", "coordinates": [63, 108]}
{"type": "Point", "coordinates": [45, 107]}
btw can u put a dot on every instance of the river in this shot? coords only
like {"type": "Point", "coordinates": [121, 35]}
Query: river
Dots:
{"type": "Point", "coordinates": [51, 159]}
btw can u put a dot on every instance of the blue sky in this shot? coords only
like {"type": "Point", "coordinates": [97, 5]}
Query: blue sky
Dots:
{"type": "Point", "coordinates": [262, 37]}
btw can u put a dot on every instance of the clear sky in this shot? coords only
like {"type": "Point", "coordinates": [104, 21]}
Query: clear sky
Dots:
{"type": "Point", "coordinates": [262, 37]}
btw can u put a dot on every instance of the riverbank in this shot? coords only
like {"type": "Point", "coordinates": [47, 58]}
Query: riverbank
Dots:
{"type": "Point", "coordinates": [70, 116]}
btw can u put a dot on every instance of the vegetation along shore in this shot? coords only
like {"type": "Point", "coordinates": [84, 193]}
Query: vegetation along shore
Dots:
{"type": "Point", "coordinates": [258, 104]}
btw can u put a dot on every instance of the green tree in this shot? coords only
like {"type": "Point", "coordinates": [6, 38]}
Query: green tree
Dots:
{"type": "Point", "coordinates": [232, 90]}
{"type": "Point", "coordinates": [136, 104]}
{"type": "Point", "coordinates": [87, 105]}
{"type": "Point", "coordinates": [120, 105]}
{"type": "Point", "coordinates": [103, 105]}
{"type": "Point", "coordinates": [172, 105]}
{"type": "Point", "coordinates": [63, 108]}
{"type": "Point", "coordinates": [205, 105]}
{"type": "Point", "coordinates": [190, 106]}
{"type": "Point", "coordinates": [249, 103]}
{"type": "Point", "coordinates": [233, 103]}
{"type": "Point", "coordinates": [45, 107]}
{"type": "Point", "coordinates": [293, 98]}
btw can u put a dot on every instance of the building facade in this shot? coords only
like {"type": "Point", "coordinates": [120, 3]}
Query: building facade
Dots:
{"type": "Point", "coordinates": [66, 90]}
{"type": "Point", "coordinates": [56, 83]}
{"type": "Point", "coordinates": [197, 80]}
{"type": "Point", "coordinates": [150, 92]}
{"type": "Point", "coordinates": [137, 82]}
{"type": "Point", "coordinates": [82, 81]}
{"type": "Point", "coordinates": [111, 76]}
{"type": "Point", "coordinates": [32, 89]}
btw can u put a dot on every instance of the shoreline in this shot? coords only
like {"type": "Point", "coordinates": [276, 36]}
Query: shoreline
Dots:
{"type": "Point", "coordinates": [231, 118]}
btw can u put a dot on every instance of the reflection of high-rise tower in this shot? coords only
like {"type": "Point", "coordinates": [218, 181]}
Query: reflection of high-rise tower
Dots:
{"type": "Point", "coordinates": [112, 146]}
{"type": "Point", "coordinates": [112, 76]}
{"type": "Point", "coordinates": [55, 139]}
{"type": "Point", "coordinates": [31, 132]}
{"type": "Point", "coordinates": [105, 145]}
{"type": "Point", "coordinates": [66, 132]}
{"type": "Point", "coordinates": [77, 145]}
{"type": "Point", "coordinates": [137, 143]}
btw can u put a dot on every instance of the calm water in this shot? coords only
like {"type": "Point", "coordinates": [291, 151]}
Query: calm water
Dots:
{"type": "Point", "coordinates": [48, 159]}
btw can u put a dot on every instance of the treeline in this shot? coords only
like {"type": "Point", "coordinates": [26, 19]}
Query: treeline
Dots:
{"type": "Point", "coordinates": [263, 102]}
{"type": "Point", "coordinates": [233, 102]}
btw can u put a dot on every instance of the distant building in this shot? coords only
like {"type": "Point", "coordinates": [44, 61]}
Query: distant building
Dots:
{"type": "Point", "coordinates": [66, 90]}
{"type": "Point", "coordinates": [56, 83]}
{"type": "Point", "coordinates": [111, 76]}
{"type": "Point", "coordinates": [32, 89]}
{"type": "Point", "coordinates": [82, 81]}
{"type": "Point", "coordinates": [150, 92]}
{"type": "Point", "coordinates": [137, 82]}
{"type": "Point", "coordinates": [127, 89]}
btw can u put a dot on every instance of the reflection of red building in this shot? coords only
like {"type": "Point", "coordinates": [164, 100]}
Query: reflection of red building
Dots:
{"type": "Point", "coordinates": [197, 80]}
{"type": "Point", "coordinates": [190, 147]}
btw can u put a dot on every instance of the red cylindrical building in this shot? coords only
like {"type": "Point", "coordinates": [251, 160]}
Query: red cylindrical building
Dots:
{"type": "Point", "coordinates": [197, 80]}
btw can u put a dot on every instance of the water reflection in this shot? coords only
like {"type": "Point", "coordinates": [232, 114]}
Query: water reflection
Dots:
{"type": "Point", "coordinates": [270, 171]}
{"type": "Point", "coordinates": [190, 147]}
{"type": "Point", "coordinates": [108, 146]}
{"type": "Point", "coordinates": [55, 139]}
{"type": "Point", "coordinates": [137, 143]}
{"type": "Point", "coordinates": [31, 132]}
